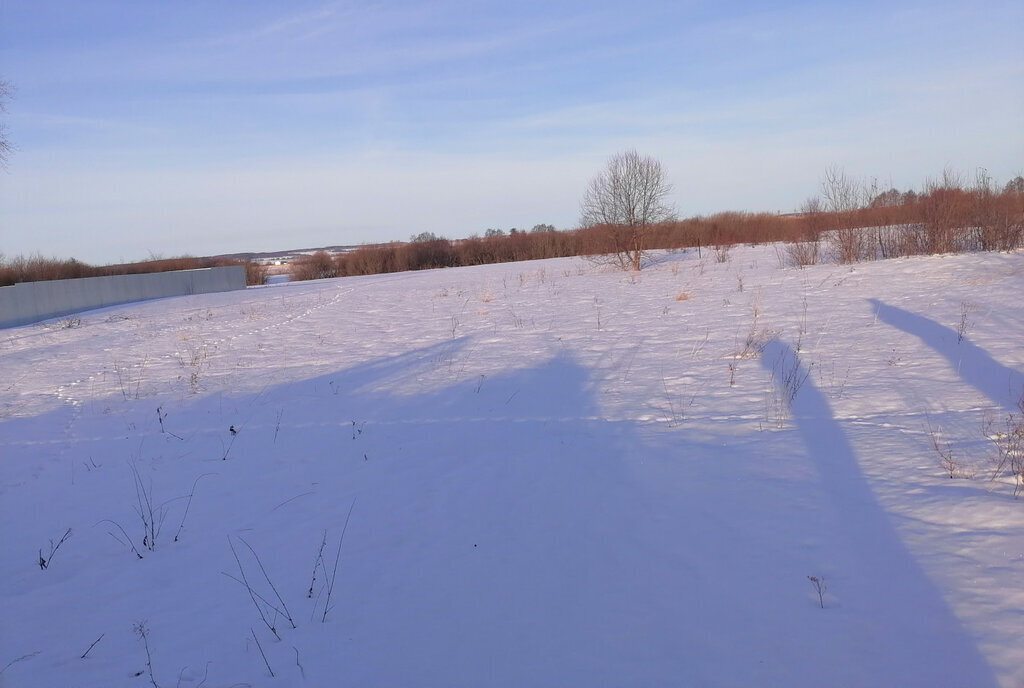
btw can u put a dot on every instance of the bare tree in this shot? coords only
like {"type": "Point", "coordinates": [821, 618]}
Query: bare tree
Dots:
{"type": "Point", "coordinates": [843, 196]}
{"type": "Point", "coordinates": [5, 144]}
{"type": "Point", "coordinates": [627, 198]}
{"type": "Point", "coordinates": [841, 192]}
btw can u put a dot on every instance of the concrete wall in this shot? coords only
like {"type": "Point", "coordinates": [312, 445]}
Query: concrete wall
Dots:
{"type": "Point", "coordinates": [31, 302]}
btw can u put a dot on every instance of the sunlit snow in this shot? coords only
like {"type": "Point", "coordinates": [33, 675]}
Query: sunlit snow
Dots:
{"type": "Point", "coordinates": [556, 474]}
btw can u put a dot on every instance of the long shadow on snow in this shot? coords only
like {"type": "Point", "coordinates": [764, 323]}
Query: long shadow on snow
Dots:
{"type": "Point", "coordinates": [505, 535]}
{"type": "Point", "coordinates": [488, 543]}
{"type": "Point", "coordinates": [482, 549]}
{"type": "Point", "coordinates": [1000, 383]}
{"type": "Point", "coordinates": [906, 604]}
{"type": "Point", "coordinates": [582, 573]}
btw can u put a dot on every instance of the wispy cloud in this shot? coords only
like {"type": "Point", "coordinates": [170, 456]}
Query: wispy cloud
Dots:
{"type": "Point", "coordinates": [295, 26]}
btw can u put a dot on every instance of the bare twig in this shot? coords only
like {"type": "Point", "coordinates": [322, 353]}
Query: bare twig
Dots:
{"type": "Point", "coordinates": [252, 593]}
{"type": "Point", "coordinates": [301, 670]}
{"type": "Point", "coordinates": [819, 587]}
{"type": "Point", "coordinates": [189, 504]}
{"type": "Point", "coordinates": [292, 499]}
{"type": "Point", "coordinates": [127, 540]}
{"type": "Point", "coordinates": [262, 599]}
{"type": "Point", "coordinates": [259, 563]}
{"type": "Point", "coordinates": [44, 562]}
{"type": "Point", "coordinates": [89, 649]}
{"type": "Point", "coordinates": [160, 415]}
{"type": "Point", "coordinates": [142, 631]}
{"type": "Point", "coordinates": [206, 674]}
{"type": "Point", "coordinates": [227, 450]}
{"type": "Point", "coordinates": [318, 563]}
{"type": "Point", "coordinates": [23, 658]}
{"type": "Point", "coordinates": [152, 515]}
{"type": "Point", "coordinates": [949, 463]}
{"type": "Point", "coordinates": [261, 652]}
{"type": "Point", "coordinates": [337, 558]}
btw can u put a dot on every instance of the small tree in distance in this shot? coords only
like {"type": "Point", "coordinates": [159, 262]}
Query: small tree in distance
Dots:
{"type": "Point", "coordinates": [628, 198]}
{"type": "Point", "coordinates": [1015, 185]}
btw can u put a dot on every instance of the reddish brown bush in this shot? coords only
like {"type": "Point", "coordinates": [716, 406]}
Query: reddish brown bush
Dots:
{"type": "Point", "coordinates": [35, 268]}
{"type": "Point", "coordinates": [426, 255]}
{"type": "Point", "coordinates": [320, 265]}
{"type": "Point", "coordinates": [368, 260]}
{"type": "Point", "coordinates": [255, 273]}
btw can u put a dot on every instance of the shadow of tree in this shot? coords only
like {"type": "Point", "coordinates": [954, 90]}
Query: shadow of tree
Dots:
{"type": "Point", "coordinates": [1000, 383]}
{"type": "Point", "coordinates": [930, 647]}
{"type": "Point", "coordinates": [505, 534]}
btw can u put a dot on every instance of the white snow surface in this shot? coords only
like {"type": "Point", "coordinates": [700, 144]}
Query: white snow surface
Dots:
{"type": "Point", "coordinates": [552, 474]}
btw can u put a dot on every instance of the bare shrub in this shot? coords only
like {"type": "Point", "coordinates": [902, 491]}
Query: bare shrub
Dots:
{"type": "Point", "coordinates": [36, 268]}
{"type": "Point", "coordinates": [193, 357]}
{"type": "Point", "coordinates": [129, 379]}
{"type": "Point", "coordinates": [801, 253]}
{"type": "Point", "coordinates": [426, 254]}
{"type": "Point", "coordinates": [755, 340]}
{"type": "Point", "coordinates": [368, 260]}
{"type": "Point", "coordinates": [945, 213]}
{"type": "Point", "coordinates": [255, 273]}
{"type": "Point", "coordinates": [813, 218]}
{"type": "Point", "coordinates": [888, 240]}
{"type": "Point", "coordinates": [320, 265]}
{"type": "Point", "coordinates": [944, 451]}
{"type": "Point", "coordinates": [843, 196]}
{"type": "Point", "coordinates": [997, 218]}
{"type": "Point", "coordinates": [1008, 446]}
{"type": "Point", "coordinates": [147, 509]}
{"type": "Point", "coordinates": [850, 244]}
{"type": "Point", "coordinates": [787, 378]}
{"type": "Point", "coordinates": [966, 309]}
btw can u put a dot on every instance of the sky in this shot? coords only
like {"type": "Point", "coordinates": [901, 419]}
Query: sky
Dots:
{"type": "Point", "coordinates": [190, 127]}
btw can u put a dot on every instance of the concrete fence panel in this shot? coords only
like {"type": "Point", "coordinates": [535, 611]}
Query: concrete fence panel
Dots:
{"type": "Point", "coordinates": [31, 302]}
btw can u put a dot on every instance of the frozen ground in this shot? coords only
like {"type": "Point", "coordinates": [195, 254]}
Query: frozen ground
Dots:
{"type": "Point", "coordinates": [555, 474]}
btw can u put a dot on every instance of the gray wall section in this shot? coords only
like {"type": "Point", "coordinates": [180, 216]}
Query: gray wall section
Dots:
{"type": "Point", "coordinates": [31, 302]}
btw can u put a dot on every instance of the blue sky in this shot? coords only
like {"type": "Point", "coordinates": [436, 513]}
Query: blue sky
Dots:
{"type": "Point", "coordinates": [165, 128]}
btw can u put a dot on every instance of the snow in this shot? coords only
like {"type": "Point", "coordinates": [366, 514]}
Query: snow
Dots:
{"type": "Point", "coordinates": [557, 474]}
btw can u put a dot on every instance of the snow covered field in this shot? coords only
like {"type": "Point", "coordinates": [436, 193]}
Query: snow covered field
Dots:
{"type": "Point", "coordinates": [552, 474]}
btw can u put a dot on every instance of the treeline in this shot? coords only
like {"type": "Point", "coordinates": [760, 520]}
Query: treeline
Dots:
{"type": "Point", "coordinates": [427, 251]}
{"type": "Point", "coordinates": [948, 216]}
{"type": "Point", "coordinates": [849, 221]}
{"type": "Point", "coordinates": [37, 268]}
